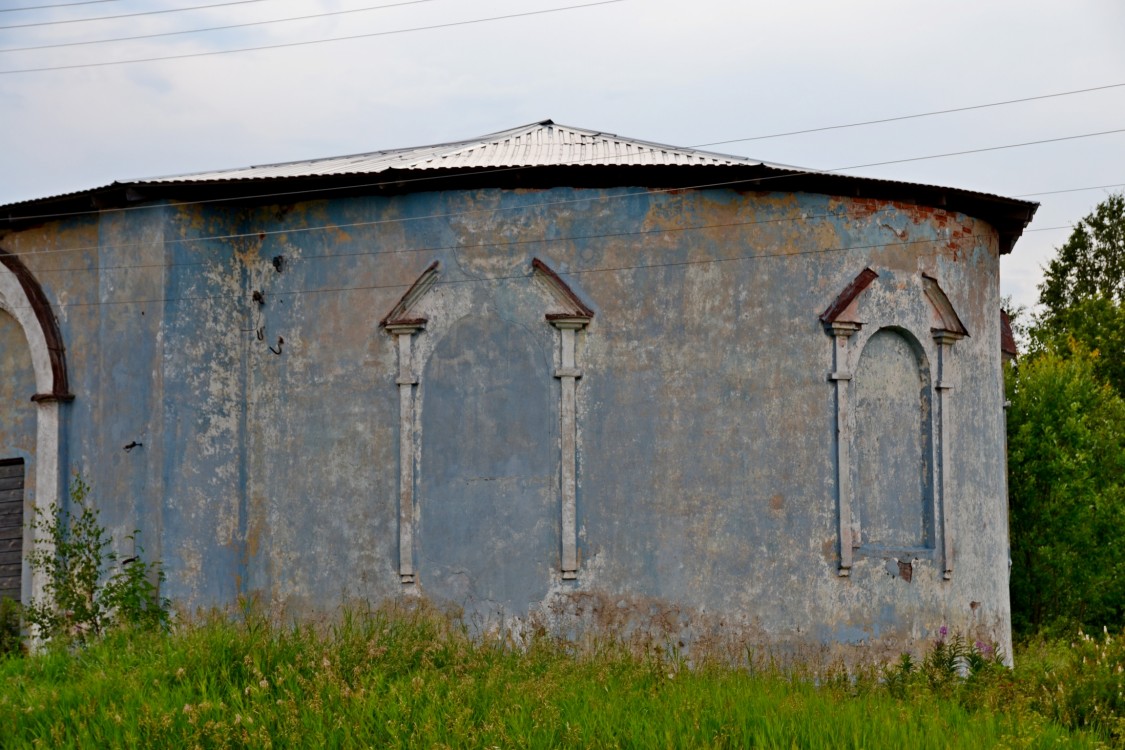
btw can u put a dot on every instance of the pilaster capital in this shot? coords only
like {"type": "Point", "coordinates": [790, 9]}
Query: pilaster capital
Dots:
{"type": "Point", "coordinates": [568, 322]}
{"type": "Point", "coordinates": [843, 328]}
{"type": "Point", "coordinates": [405, 327]}
{"type": "Point", "coordinates": [947, 338]}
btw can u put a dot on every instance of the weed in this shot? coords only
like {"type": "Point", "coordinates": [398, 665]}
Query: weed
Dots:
{"type": "Point", "coordinates": [410, 676]}
{"type": "Point", "coordinates": [88, 588]}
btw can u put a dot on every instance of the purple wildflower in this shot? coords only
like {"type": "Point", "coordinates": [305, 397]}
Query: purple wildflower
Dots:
{"type": "Point", "coordinates": [943, 631]}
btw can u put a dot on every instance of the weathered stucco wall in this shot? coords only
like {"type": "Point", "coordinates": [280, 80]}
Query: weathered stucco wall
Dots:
{"type": "Point", "coordinates": [267, 430]}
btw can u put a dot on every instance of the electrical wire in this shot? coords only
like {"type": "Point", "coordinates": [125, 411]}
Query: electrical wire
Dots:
{"type": "Point", "coordinates": [216, 28]}
{"type": "Point", "coordinates": [489, 279]}
{"type": "Point", "coordinates": [479, 246]}
{"type": "Point", "coordinates": [132, 15]}
{"type": "Point", "coordinates": [283, 45]}
{"type": "Point", "coordinates": [438, 248]}
{"type": "Point", "coordinates": [981, 150]}
{"type": "Point", "coordinates": [743, 181]}
{"type": "Point", "coordinates": [1071, 190]}
{"type": "Point", "coordinates": [913, 116]}
{"type": "Point", "coordinates": [56, 5]}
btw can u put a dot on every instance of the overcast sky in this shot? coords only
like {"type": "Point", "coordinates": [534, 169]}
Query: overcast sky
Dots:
{"type": "Point", "coordinates": [683, 73]}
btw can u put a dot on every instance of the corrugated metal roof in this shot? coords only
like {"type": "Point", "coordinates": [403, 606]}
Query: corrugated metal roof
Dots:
{"type": "Point", "coordinates": [576, 153]}
{"type": "Point", "coordinates": [539, 144]}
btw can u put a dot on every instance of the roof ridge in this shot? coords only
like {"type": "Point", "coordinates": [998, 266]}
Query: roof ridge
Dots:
{"type": "Point", "coordinates": [500, 148]}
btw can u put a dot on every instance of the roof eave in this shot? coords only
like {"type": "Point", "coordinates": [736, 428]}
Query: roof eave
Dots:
{"type": "Point", "coordinates": [1008, 215]}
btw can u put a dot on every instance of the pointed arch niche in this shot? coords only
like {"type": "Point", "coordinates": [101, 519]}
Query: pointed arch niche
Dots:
{"type": "Point", "coordinates": [567, 314]}
{"type": "Point", "coordinates": [23, 299]}
{"type": "Point", "coordinates": [893, 412]}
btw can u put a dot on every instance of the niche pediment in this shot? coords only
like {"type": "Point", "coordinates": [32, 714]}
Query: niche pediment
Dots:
{"type": "Point", "coordinates": [946, 319]}
{"type": "Point", "coordinates": [564, 304]}
{"type": "Point", "coordinates": [403, 315]}
{"type": "Point", "coordinates": [845, 309]}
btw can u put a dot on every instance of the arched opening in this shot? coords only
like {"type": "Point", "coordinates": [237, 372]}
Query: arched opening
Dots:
{"type": "Point", "coordinates": [23, 301]}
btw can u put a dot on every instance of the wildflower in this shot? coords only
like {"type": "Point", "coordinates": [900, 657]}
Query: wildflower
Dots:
{"type": "Point", "coordinates": [943, 631]}
{"type": "Point", "coordinates": [187, 708]}
{"type": "Point", "coordinates": [264, 684]}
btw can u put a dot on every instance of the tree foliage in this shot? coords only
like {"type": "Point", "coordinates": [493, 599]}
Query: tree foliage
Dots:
{"type": "Point", "coordinates": [1066, 468]}
{"type": "Point", "coordinates": [1097, 324]}
{"type": "Point", "coordinates": [1092, 262]}
{"type": "Point", "coordinates": [1083, 293]}
{"type": "Point", "coordinates": [1066, 436]}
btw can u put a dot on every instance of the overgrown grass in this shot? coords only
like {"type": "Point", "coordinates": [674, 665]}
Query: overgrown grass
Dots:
{"type": "Point", "coordinates": [396, 677]}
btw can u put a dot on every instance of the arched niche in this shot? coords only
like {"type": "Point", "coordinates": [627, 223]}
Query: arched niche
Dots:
{"type": "Point", "coordinates": [23, 299]}
{"type": "Point", "coordinates": [917, 391]}
{"type": "Point", "coordinates": [893, 444]}
{"type": "Point", "coordinates": [564, 312]}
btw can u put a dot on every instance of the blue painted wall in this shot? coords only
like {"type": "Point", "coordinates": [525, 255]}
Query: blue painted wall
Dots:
{"type": "Point", "coordinates": [706, 420]}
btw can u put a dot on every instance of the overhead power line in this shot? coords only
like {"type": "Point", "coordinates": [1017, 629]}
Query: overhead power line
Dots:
{"type": "Point", "coordinates": [426, 249]}
{"type": "Point", "coordinates": [490, 279]}
{"type": "Point", "coordinates": [56, 5]}
{"type": "Point", "coordinates": [282, 45]}
{"type": "Point", "coordinates": [899, 118]}
{"type": "Point", "coordinates": [455, 214]}
{"type": "Point", "coordinates": [726, 183]}
{"type": "Point", "coordinates": [260, 234]}
{"type": "Point", "coordinates": [979, 150]}
{"type": "Point", "coordinates": [132, 15]}
{"type": "Point", "coordinates": [1071, 190]}
{"type": "Point", "coordinates": [215, 28]}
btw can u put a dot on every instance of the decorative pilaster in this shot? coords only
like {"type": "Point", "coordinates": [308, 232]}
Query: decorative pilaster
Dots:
{"type": "Point", "coordinates": [1007, 501]}
{"type": "Point", "coordinates": [403, 332]}
{"type": "Point", "coordinates": [842, 376]}
{"type": "Point", "coordinates": [944, 387]}
{"type": "Point", "coordinates": [47, 489]}
{"type": "Point", "coordinates": [568, 373]}
{"type": "Point", "coordinates": [402, 323]}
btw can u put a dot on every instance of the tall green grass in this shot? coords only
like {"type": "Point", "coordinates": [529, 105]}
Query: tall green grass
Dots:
{"type": "Point", "coordinates": [414, 678]}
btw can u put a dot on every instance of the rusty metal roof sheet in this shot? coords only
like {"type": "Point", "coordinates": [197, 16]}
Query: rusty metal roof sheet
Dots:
{"type": "Point", "coordinates": [1007, 338]}
{"type": "Point", "coordinates": [540, 144]}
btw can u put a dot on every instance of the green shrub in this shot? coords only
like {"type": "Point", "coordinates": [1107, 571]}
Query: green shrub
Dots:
{"type": "Point", "coordinates": [952, 668]}
{"type": "Point", "coordinates": [10, 640]}
{"type": "Point", "coordinates": [88, 588]}
{"type": "Point", "coordinates": [1066, 470]}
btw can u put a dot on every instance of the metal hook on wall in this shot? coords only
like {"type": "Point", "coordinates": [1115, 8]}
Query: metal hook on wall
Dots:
{"type": "Point", "coordinates": [277, 351]}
